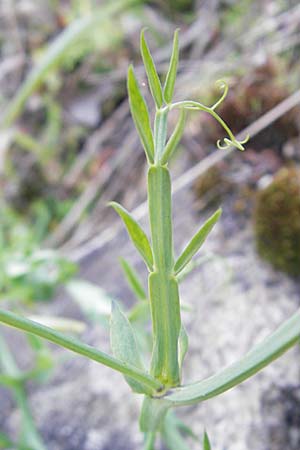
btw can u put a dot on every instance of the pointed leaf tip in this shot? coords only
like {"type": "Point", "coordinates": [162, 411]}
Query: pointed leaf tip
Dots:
{"type": "Point", "coordinates": [153, 78]}
{"type": "Point", "coordinates": [172, 71]}
{"type": "Point", "coordinates": [206, 442]}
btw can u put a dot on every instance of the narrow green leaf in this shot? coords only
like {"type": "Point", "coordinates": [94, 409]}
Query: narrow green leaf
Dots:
{"type": "Point", "coordinates": [136, 234]}
{"type": "Point", "coordinates": [174, 139]}
{"type": "Point", "coordinates": [172, 72]}
{"type": "Point", "coordinates": [74, 345]}
{"type": "Point", "coordinates": [153, 413]}
{"type": "Point", "coordinates": [196, 242]}
{"type": "Point", "coordinates": [259, 357]}
{"type": "Point", "coordinates": [183, 345]}
{"type": "Point", "coordinates": [133, 280]}
{"type": "Point", "coordinates": [153, 79]}
{"type": "Point", "coordinates": [124, 346]}
{"type": "Point", "coordinates": [206, 443]}
{"type": "Point", "coordinates": [140, 114]}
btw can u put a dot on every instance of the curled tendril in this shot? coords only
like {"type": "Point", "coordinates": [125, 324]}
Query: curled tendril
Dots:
{"type": "Point", "coordinates": [229, 141]}
{"type": "Point", "coordinates": [232, 143]}
{"type": "Point", "coordinates": [224, 87]}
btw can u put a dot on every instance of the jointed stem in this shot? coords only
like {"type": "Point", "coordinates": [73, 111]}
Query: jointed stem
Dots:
{"type": "Point", "coordinates": [163, 289]}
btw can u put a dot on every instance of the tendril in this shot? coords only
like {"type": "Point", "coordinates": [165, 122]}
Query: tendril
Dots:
{"type": "Point", "coordinates": [223, 86]}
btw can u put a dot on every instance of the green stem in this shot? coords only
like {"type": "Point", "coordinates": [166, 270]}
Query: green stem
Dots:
{"type": "Point", "coordinates": [160, 133]}
{"type": "Point", "coordinates": [78, 347]}
{"type": "Point", "coordinates": [163, 287]}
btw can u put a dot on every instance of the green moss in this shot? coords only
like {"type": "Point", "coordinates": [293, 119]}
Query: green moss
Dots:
{"type": "Point", "coordinates": [277, 221]}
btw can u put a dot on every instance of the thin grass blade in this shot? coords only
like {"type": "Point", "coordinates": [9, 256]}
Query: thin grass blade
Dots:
{"type": "Point", "coordinates": [153, 79]}
{"type": "Point", "coordinates": [136, 234]}
{"type": "Point", "coordinates": [196, 242]}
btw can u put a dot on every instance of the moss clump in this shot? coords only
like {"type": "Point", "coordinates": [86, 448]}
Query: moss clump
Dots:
{"type": "Point", "coordinates": [277, 221]}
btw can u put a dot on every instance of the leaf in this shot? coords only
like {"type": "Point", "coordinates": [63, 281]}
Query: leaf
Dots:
{"type": "Point", "coordinates": [124, 346]}
{"type": "Point", "coordinates": [183, 345]}
{"type": "Point", "coordinates": [172, 72]}
{"type": "Point", "coordinates": [259, 357]}
{"type": "Point", "coordinates": [136, 234]}
{"type": "Point", "coordinates": [76, 346]}
{"type": "Point", "coordinates": [92, 300]}
{"type": "Point", "coordinates": [174, 139]}
{"type": "Point", "coordinates": [140, 115]}
{"type": "Point", "coordinates": [133, 280]}
{"type": "Point", "coordinates": [196, 242]}
{"type": "Point", "coordinates": [153, 79]}
{"type": "Point", "coordinates": [206, 443]}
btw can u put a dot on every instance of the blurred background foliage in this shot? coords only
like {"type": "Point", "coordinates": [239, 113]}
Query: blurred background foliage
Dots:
{"type": "Point", "coordinates": [67, 143]}
{"type": "Point", "coordinates": [66, 129]}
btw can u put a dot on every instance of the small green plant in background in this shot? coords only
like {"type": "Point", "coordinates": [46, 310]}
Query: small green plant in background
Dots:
{"type": "Point", "coordinates": [277, 221]}
{"type": "Point", "coordinates": [158, 376]}
{"type": "Point", "coordinates": [27, 272]}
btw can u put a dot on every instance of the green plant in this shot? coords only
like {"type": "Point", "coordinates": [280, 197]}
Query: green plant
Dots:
{"type": "Point", "coordinates": [28, 273]}
{"type": "Point", "coordinates": [71, 38]}
{"type": "Point", "coordinates": [161, 385]}
{"type": "Point", "coordinates": [277, 221]}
